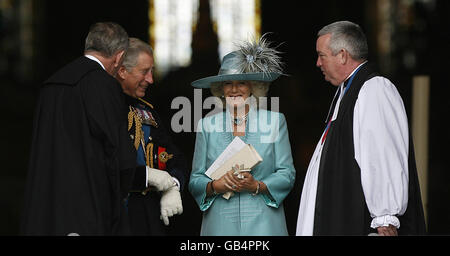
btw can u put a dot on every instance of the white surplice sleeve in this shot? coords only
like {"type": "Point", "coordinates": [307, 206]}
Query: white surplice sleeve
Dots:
{"type": "Point", "coordinates": [380, 132]}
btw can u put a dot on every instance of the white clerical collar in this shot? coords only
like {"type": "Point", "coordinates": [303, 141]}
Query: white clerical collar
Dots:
{"type": "Point", "coordinates": [94, 59]}
{"type": "Point", "coordinates": [342, 84]}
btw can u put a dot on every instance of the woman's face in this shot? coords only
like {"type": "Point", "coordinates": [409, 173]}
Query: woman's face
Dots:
{"type": "Point", "coordinates": [236, 92]}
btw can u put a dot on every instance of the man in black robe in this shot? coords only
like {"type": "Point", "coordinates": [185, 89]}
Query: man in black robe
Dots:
{"type": "Point", "coordinates": [362, 177]}
{"type": "Point", "coordinates": [81, 162]}
{"type": "Point", "coordinates": [161, 167]}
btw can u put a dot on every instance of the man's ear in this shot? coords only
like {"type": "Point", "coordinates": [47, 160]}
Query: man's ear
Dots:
{"type": "Point", "coordinates": [121, 72]}
{"type": "Point", "coordinates": [344, 56]}
{"type": "Point", "coordinates": [118, 59]}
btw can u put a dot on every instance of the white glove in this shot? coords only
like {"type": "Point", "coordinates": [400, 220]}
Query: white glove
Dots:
{"type": "Point", "coordinates": [170, 204]}
{"type": "Point", "coordinates": [159, 179]}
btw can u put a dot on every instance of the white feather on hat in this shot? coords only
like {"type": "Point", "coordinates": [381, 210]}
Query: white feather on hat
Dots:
{"type": "Point", "coordinates": [258, 57]}
{"type": "Point", "coordinates": [253, 61]}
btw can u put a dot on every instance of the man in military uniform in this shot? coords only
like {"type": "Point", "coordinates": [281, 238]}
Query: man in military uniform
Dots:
{"type": "Point", "coordinates": [161, 168]}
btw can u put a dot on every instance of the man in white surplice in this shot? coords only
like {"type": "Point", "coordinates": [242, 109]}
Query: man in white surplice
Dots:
{"type": "Point", "coordinates": [380, 134]}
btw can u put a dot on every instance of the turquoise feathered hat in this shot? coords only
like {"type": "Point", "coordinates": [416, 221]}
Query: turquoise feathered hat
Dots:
{"type": "Point", "coordinates": [253, 61]}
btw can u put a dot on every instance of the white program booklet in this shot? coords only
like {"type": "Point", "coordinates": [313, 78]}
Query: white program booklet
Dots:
{"type": "Point", "coordinates": [236, 153]}
{"type": "Point", "coordinates": [235, 146]}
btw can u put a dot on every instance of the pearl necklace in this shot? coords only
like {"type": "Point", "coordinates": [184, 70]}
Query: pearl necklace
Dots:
{"type": "Point", "coordinates": [240, 120]}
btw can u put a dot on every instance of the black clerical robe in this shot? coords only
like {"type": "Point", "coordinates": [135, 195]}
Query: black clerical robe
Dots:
{"type": "Point", "coordinates": [340, 203]}
{"type": "Point", "coordinates": [82, 161]}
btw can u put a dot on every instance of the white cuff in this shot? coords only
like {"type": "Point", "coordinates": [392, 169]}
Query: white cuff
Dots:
{"type": "Point", "coordinates": [146, 175]}
{"type": "Point", "coordinates": [384, 221]}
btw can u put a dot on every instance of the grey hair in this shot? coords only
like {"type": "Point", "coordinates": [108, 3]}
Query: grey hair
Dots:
{"type": "Point", "coordinates": [257, 88]}
{"type": "Point", "coordinates": [349, 36]}
{"type": "Point", "coordinates": [106, 38]}
{"type": "Point", "coordinates": [135, 48]}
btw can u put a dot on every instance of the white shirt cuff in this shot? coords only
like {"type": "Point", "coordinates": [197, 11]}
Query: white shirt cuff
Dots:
{"type": "Point", "coordinates": [146, 176]}
{"type": "Point", "coordinates": [384, 221]}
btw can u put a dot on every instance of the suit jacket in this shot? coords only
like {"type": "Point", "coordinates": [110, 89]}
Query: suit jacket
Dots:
{"type": "Point", "coordinates": [157, 145]}
{"type": "Point", "coordinates": [79, 154]}
{"type": "Point", "coordinates": [160, 153]}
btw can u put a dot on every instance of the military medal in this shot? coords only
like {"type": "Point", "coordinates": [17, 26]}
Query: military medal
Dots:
{"type": "Point", "coordinates": [164, 156]}
{"type": "Point", "coordinates": [147, 117]}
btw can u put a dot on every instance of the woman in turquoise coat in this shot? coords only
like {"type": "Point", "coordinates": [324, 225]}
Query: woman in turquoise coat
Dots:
{"type": "Point", "coordinates": [256, 208]}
